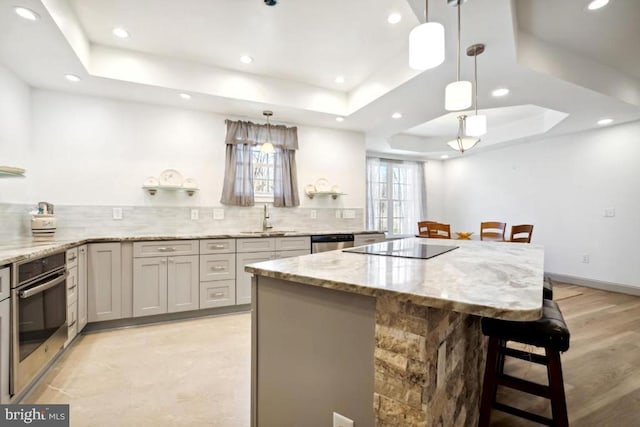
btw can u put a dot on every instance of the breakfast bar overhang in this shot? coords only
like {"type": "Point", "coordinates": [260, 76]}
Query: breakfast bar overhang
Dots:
{"type": "Point", "coordinates": [383, 338]}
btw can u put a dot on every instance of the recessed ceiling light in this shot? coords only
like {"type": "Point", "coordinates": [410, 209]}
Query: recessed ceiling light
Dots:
{"type": "Point", "coordinates": [340, 79]}
{"type": "Point", "coordinates": [340, 119]}
{"type": "Point", "coordinates": [185, 96]}
{"type": "Point", "coordinates": [396, 116]}
{"type": "Point", "coordinates": [246, 59]}
{"type": "Point", "coordinates": [394, 18]}
{"type": "Point", "coordinates": [605, 122]}
{"type": "Point", "coordinates": [444, 156]}
{"type": "Point", "coordinates": [72, 77]}
{"type": "Point", "coordinates": [120, 33]}
{"type": "Point", "coordinates": [597, 4]}
{"type": "Point", "coordinates": [503, 91]}
{"type": "Point", "coordinates": [25, 13]}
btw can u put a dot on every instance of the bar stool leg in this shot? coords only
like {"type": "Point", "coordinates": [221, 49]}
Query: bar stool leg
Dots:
{"type": "Point", "coordinates": [556, 384]}
{"type": "Point", "coordinates": [489, 382]}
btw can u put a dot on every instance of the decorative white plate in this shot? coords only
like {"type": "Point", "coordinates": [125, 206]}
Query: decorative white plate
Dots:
{"type": "Point", "coordinates": [171, 178]}
{"type": "Point", "coordinates": [309, 189]}
{"type": "Point", "coordinates": [322, 185]}
{"type": "Point", "coordinates": [190, 183]}
{"type": "Point", "coordinates": [151, 182]}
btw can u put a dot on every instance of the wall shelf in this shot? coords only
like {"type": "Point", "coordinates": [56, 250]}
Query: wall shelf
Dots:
{"type": "Point", "coordinates": [11, 172]}
{"type": "Point", "coordinates": [334, 195]}
{"type": "Point", "coordinates": [153, 190]}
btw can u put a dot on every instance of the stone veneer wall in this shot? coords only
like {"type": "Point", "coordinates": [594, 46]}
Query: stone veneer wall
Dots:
{"type": "Point", "coordinates": [408, 391]}
{"type": "Point", "coordinates": [74, 221]}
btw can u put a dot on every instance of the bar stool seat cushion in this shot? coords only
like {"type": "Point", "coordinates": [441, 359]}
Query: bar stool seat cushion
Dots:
{"type": "Point", "coordinates": [550, 331]}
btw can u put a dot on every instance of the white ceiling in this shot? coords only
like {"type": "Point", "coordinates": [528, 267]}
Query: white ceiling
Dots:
{"type": "Point", "coordinates": [566, 67]}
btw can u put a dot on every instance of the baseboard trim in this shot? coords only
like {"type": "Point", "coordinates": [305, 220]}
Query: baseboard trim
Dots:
{"type": "Point", "coordinates": [597, 284]}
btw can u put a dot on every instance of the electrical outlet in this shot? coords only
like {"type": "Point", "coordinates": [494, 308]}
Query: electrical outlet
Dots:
{"type": "Point", "coordinates": [585, 258]}
{"type": "Point", "coordinates": [117, 213]}
{"type": "Point", "coordinates": [314, 214]}
{"type": "Point", "coordinates": [442, 365]}
{"type": "Point", "coordinates": [609, 212]}
{"type": "Point", "coordinates": [338, 214]}
{"type": "Point", "coordinates": [218, 213]}
{"type": "Point", "coordinates": [342, 421]}
{"type": "Point", "coordinates": [195, 214]}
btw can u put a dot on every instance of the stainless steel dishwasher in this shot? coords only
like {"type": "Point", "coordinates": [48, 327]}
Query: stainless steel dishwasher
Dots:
{"type": "Point", "coordinates": [330, 242]}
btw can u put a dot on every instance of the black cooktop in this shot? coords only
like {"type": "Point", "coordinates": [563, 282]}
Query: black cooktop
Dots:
{"type": "Point", "coordinates": [403, 249]}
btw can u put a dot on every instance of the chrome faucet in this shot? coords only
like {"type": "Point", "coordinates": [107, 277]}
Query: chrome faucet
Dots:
{"type": "Point", "coordinates": [266, 221]}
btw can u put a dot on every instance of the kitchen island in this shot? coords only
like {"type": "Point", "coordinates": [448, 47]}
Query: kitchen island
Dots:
{"type": "Point", "coordinates": [383, 340]}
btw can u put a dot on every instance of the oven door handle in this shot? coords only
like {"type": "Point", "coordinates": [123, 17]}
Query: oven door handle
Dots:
{"type": "Point", "coordinates": [41, 288]}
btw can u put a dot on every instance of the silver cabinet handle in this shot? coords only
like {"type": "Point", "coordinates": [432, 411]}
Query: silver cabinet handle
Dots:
{"type": "Point", "coordinates": [218, 246]}
{"type": "Point", "coordinates": [163, 249]}
{"type": "Point", "coordinates": [370, 240]}
{"type": "Point", "coordinates": [38, 289]}
{"type": "Point", "coordinates": [72, 323]}
{"type": "Point", "coordinates": [163, 261]}
{"type": "Point", "coordinates": [218, 294]}
{"type": "Point", "coordinates": [72, 287]}
{"type": "Point", "coordinates": [217, 268]}
{"type": "Point", "coordinates": [72, 258]}
{"type": "Point", "coordinates": [82, 250]}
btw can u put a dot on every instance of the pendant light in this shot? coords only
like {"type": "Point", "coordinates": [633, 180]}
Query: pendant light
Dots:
{"type": "Point", "coordinates": [426, 43]}
{"type": "Point", "coordinates": [458, 94]}
{"type": "Point", "coordinates": [476, 125]}
{"type": "Point", "coordinates": [267, 146]}
{"type": "Point", "coordinates": [462, 142]}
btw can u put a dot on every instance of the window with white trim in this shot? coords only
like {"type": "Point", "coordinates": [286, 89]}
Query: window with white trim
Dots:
{"type": "Point", "coordinates": [263, 174]}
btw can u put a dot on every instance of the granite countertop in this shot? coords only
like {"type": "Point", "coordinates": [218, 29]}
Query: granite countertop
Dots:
{"type": "Point", "coordinates": [492, 279]}
{"type": "Point", "coordinates": [29, 248]}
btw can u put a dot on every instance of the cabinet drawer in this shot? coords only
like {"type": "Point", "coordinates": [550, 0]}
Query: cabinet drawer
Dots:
{"type": "Point", "coordinates": [257, 244]}
{"type": "Point", "coordinates": [5, 284]}
{"type": "Point", "coordinates": [217, 267]}
{"type": "Point", "coordinates": [217, 294]}
{"type": "Point", "coordinates": [367, 239]}
{"type": "Point", "coordinates": [72, 322]}
{"type": "Point", "coordinates": [165, 248]}
{"type": "Point", "coordinates": [217, 246]}
{"type": "Point", "coordinates": [72, 257]}
{"type": "Point", "coordinates": [293, 243]}
{"type": "Point", "coordinates": [72, 286]}
{"type": "Point", "coordinates": [289, 254]}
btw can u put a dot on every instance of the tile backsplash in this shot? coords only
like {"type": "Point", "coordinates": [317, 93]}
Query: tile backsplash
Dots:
{"type": "Point", "coordinates": [79, 221]}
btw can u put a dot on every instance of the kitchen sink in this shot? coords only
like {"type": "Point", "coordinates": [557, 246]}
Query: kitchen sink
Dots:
{"type": "Point", "coordinates": [268, 232]}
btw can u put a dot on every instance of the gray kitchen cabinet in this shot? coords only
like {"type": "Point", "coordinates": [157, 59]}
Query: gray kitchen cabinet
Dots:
{"type": "Point", "coordinates": [217, 293]}
{"type": "Point", "coordinates": [269, 248]}
{"type": "Point", "coordinates": [5, 283]}
{"type": "Point", "coordinates": [72, 295]}
{"type": "Point", "coordinates": [5, 311]}
{"type": "Point", "coordinates": [82, 288]}
{"type": "Point", "coordinates": [104, 282]}
{"type": "Point", "coordinates": [149, 286]}
{"type": "Point", "coordinates": [217, 272]}
{"type": "Point", "coordinates": [367, 239]}
{"type": "Point", "coordinates": [164, 282]}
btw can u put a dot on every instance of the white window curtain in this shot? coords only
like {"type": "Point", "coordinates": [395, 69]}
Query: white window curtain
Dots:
{"type": "Point", "coordinates": [396, 195]}
{"type": "Point", "coordinates": [238, 178]}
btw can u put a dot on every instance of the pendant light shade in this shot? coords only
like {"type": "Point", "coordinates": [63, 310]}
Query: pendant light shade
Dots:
{"type": "Point", "coordinates": [426, 43]}
{"type": "Point", "coordinates": [426, 46]}
{"type": "Point", "coordinates": [457, 96]}
{"type": "Point", "coordinates": [476, 125]}
{"type": "Point", "coordinates": [267, 146]}
{"type": "Point", "coordinates": [463, 142]}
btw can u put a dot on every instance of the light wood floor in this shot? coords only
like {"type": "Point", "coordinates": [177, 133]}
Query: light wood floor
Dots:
{"type": "Point", "coordinates": [197, 372]}
{"type": "Point", "coordinates": [601, 368]}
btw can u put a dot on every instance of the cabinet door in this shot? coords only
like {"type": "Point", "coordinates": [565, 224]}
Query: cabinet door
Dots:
{"type": "Point", "coordinates": [243, 279]}
{"type": "Point", "coordinates": [149, 286]}
{"type": "Point", "coordinates": [104, 288]}
{"type": "Point", "coordinates": [4, 350]}
{"type": "Point", "coordinates": [183, 292]}
{"type": "Point", "coordinates": [82, 287]}
{"type": "Point", "coordinates": [72, 323]}
{"type": "Point", "coordinates": [72, 285]}
{"type": "Point", "coordinates": [5, 283]}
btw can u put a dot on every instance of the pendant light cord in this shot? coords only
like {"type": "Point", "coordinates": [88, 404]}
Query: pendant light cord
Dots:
{"type": "Point", "coordinates": [458, 40]}
{"type": "Point", "coordinates": [475, 79]}
{"type": "Point", "coordinates": [426, 11]}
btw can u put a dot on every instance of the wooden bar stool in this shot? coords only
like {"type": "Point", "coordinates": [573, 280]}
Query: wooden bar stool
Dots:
{"type": "Point", "coordinates": [549, 332]}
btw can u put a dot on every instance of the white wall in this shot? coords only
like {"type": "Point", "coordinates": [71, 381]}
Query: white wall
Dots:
{"type": "Point", "coordinates": [15, 123]}
{"type": "Point", "coordinates": [561, 185]}
{"type": "Point", "coordinates": [98, 151]}
{"type": "Point", "coordinates": [434, 171]}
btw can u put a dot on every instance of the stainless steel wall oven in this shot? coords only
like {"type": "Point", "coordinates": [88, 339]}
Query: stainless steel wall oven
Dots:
{"type": "Point", "coordinates": [38, 316]}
